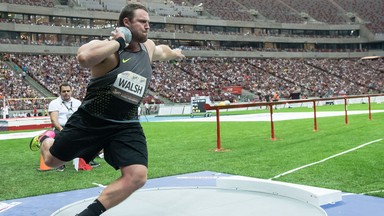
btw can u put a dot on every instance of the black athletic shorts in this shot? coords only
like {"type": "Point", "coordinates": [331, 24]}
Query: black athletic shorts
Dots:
{"type": "Point", "coordinates": [85, 136]}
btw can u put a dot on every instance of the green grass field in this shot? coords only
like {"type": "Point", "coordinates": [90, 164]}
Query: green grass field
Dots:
{"type": "Point", "coordinates": [177, 148]}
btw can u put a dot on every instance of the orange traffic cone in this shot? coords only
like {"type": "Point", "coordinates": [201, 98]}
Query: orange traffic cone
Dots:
{"type": "Point", "coordinates": [43, 166]}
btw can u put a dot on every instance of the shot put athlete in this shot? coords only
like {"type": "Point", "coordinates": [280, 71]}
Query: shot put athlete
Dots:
{"type": "Point", "coordinates": [107, 118]}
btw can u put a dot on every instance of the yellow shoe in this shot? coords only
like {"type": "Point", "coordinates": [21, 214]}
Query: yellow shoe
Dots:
{"type": "Point", "coordinates": [34, 144]}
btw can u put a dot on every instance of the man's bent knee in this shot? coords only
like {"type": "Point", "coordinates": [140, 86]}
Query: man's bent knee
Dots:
{"type": "Point", "coordinates": [136, 175]}
{"type": "Point", "coordinates": [139, 180]}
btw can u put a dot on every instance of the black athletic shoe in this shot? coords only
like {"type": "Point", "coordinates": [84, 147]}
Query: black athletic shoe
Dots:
{"type": "Point", "coordinates": [93, 164]}
{"type": "Point", "coordinates": [60, 168]}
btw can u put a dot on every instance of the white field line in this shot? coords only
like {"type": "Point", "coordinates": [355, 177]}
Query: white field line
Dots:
{"type": "Point", "coordinates": [325, 159]}
{"type": "Point", "coordinates": [20, 135]}
{"type": "Point", "coordinates": [99, 185]}
{"type": "Point", "coordinates": [365, 193]}
{"type": "Point", "coordinates": [371, 192]}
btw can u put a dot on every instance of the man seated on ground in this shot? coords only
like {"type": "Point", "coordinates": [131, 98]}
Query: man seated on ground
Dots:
{"type": "Point", "coordinates": [60, 109]}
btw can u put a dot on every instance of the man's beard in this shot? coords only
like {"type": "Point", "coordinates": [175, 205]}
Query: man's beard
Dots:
{"type": "Point", "coordinates": [141, 38]}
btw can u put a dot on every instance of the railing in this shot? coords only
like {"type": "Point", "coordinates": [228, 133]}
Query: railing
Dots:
{"type": "Point", "coordinates": [271, 104]}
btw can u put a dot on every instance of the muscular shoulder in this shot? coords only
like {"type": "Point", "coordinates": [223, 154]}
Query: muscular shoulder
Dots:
{"type": "Point", "coordinates": [150, 45]}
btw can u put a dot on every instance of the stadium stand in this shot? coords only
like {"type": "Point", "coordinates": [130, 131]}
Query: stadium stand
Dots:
{"type": "Point", "coordinates": [274, 10]}
{"type": "Point", "coordinates": [91, 4]}
{"type": "Point", "coordinates": [37, 3]}
{"type": "Point", "coordinates": [264, 46]}
{"type": "Point", "coordinates": [369, 11]}
{"type": "Point", "coordinates": [320, 10]}
{"type": "Point", "coordinates": [227, 10]}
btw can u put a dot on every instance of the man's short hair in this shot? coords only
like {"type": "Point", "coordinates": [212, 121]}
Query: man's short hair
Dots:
{"type": "Point", "coordinates": [128, 11]}
{"type": "Point", "coordinates": [65, 84]}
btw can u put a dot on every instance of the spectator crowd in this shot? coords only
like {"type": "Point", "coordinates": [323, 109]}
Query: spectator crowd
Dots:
{"type": "Point", "coordinates": [178, 81]}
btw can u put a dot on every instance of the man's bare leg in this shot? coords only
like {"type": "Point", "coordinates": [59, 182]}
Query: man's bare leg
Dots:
{"type": "Point", "coordinates": [49, 159]}
{"type": "Point", "coordinates": [133, 177]}
{"type": "Point", "coordinates": [44, 143]}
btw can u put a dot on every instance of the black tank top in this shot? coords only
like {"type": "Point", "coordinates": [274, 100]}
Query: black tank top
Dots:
{"type": "Point", "coordinates": [116, 96]}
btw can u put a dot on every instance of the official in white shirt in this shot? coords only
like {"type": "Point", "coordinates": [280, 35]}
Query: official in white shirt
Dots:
{"type": "Point", "coordinates": [62, 107]}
